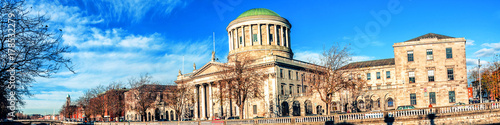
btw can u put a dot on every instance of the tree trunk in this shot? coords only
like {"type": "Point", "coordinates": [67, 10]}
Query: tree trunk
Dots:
{"type": "Point", "coordinates": [241, 111]}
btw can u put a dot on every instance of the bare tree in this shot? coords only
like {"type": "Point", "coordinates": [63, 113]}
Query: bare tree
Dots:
{"type": "Point", "coordinates": [245, 80]}
{"type": "Point", "coordinates": [179, 98]}
{"type": "Point", "coordinates": [145, 94]}
{"type": "Point", "coordinates": [327, 77]}
{"type": "Point", "coordinates": [29, 48]}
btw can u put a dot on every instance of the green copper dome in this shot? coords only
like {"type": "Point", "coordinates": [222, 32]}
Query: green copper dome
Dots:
{"type": "Point", "coordinates": [258, 11]}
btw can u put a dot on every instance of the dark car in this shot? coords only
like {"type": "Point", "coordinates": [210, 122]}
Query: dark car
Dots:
{"type": "Point", "coordinates": [405, 107]}
{"type": "Point", "coordinates": [234, 117]}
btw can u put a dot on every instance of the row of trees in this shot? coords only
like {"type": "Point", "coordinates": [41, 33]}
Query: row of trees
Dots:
{"type": "Point", "coordinates": [490, 78]}
{"type": "Point", "coordinates": [143, 93]}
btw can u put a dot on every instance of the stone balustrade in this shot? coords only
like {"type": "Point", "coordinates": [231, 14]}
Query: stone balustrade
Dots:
{"type": "Point", "coordinates": [350, 117]}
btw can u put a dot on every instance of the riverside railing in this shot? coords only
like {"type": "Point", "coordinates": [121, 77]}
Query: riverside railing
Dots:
{"type": "Point", "coordinates": [447, 110]}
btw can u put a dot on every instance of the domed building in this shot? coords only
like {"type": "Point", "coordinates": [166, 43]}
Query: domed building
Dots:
{"type": "Point", "coordinates": [429, 69]}
{"type": "Point", "coordinates": [263, 37]}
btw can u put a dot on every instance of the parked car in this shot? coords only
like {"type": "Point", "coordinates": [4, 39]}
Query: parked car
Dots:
{"type": "Point", "coordinates": [459, 103]}
{"type": "Point", "coordinates": [234, 117]}
{"type": "Point", "coordinates": [405, 107]}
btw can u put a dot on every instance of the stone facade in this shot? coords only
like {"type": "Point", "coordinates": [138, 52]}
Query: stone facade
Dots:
{"type": "Point", "coordinates": [285, 89]}
{"type": "Point", "coordinates": [159, 111]}
{"type": "Point", "coordinates": [436, 65]}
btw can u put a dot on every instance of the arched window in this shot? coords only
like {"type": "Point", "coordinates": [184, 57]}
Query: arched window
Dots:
{"type": "Point", "coordinates": [284, 109]}
{"type": "Point", "coordinates": [172, 115]}
{"type": "Point", "coordinates": [296, 108]}
{"type": "Point", "coordinates": [390, 102]}
{"type": "Point", "coordinates": [308, 106]}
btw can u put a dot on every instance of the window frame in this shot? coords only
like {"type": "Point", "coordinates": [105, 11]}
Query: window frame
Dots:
{"type": "Point", "coordinates": [449, 53]}
{"type": "Point", "coordinates": [410, 80]}
{"type": "Point", "coordinates": [368, 76]}
{"type": "Point", "coordinates": [388, 74]}
{"type": "Point", "coordinates": [430, 76]}
{"type": "Point", "coordinates": [410, 57]}
{"type": "Point", "coordinates": [452, 99]}
{"type": "Point", "coordinates": [378, 75]}
{"type": "Point", "coordinates": [255, 38]}
{"type": "Point", "coordinates": [429, 53]}
{"type": "Point", "coordinates": [281, 73]}
{"type": "Point", "coordinates": [450, 76]}
{"type": "Point", "coordinates": [432, 97]}
{"type": "Point", "coordinates": [254, 109]}
{"type": "Point", "coordinates": [413, 99]}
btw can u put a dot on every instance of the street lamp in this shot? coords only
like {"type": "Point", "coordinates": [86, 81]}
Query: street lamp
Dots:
{"type": "Point", "coordinates": [479, 75]}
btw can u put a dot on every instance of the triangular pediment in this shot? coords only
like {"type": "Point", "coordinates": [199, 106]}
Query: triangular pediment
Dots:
{"type": "Point", "coordinates": [211, 67]}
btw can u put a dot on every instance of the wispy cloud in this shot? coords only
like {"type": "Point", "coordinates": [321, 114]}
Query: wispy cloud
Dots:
{"type": "Point", "coordinates": [469, 42]}
{"type": "Point", "coordinates": [489, 50]}
{"type": "Point", "coordinates": [134, 10]}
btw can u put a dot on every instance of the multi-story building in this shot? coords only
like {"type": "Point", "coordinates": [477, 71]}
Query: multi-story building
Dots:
{"type": "Point", "coordinates": [429, 69]}
{"type": "Point", "coordinates": [159, 109]}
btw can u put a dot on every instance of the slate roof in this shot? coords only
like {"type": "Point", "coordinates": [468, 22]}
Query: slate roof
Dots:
{"type": "Point", "coordinates": [371, 63]}
{"type": "Point", "coordinates": [430, 35]}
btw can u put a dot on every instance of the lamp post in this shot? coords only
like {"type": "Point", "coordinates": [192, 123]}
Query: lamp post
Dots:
{"type": "Point", "coordinates": [479, 75]}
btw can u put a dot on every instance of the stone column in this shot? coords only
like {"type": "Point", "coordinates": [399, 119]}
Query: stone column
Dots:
{"type": "Point", "coordinates": [197, 104]}
{"type": "Point", "coordinates": [229, 40]}
{"type": "Point", "coordinates": [235, 35]}
{"type": "Point", "coordinates": [243, 35]}
{"type": "Point", "coordinates": [287, 41]}
{"type": "Point", "coordinates": [259, 39]}
{"type": "Point", "coordinates": [202, 107]}
{"type": "Point", "coordinates": [210, 101]}
{"type": "Point", "coordinates": [251, 35]}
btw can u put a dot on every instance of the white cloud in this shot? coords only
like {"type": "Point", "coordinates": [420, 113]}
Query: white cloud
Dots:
{"type": "Point", "coordinates": [361, 58]}
{"type": "Point", "coordinates": [307, 56]}
{"type": "Point", "coordinates": [474, 62]}
{"type": "Point", "coordinates": [135, 10]}
{"type": "Point", "coordinates": [489, 50]}
{"type": "Point", "coordinates": [469, 42]}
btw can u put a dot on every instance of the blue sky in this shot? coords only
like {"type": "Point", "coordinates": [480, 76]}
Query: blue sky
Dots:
{"type": "Point", "coordinates": [113, 40]}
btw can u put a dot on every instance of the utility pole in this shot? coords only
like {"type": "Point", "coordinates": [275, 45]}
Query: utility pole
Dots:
{"type": "Point", "coordinates": [479, 75]}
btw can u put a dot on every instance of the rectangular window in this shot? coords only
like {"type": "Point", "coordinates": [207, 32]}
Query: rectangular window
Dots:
{"type": "Point", "coordinates": [282, 89]}
{"type": "Point", "coordinates": [413, 99]}
{"type": "Point", "coordinates": [449, 53]}
{"type": "Point", "coordinates": [291, 89]}
{"type": "Point", "coordinates": [378, 75]}
{"type": "Point", "coordinates": [241, 40]}
{"type": "Point", "coordinates": [451, 94]}
{"type": "Point", "coordinates": [410, 56]}
{"type": "Point", "coordinates": [281, 73]}
{"type": "Point", "coordinates": [369, 87]}
{"type": "Point", "coordinates": [388, 74]}
{"type": "Point", "coordinates": [254, 37]}
{"type": "Point", "coordinates": [296, 75]}
{"type": "Point", "coordinates": [378, 87]}
{"type": "Point", "coordinates": [432, 97]}
{"type": "Point", "coordinates": [289, 74]}
{"type": "Point", "coordinates": [430, 75]}
{"type": "Point", "coordinates": [368, 77]}
{"type": "Point", "coordinates": [429, 54]}
{"type": "Point", "coordinates": [450, 74]}
{"type": "Point", "coordinates": [411, 76]}
{"type": "Point", "coordinates": [254, 109]}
